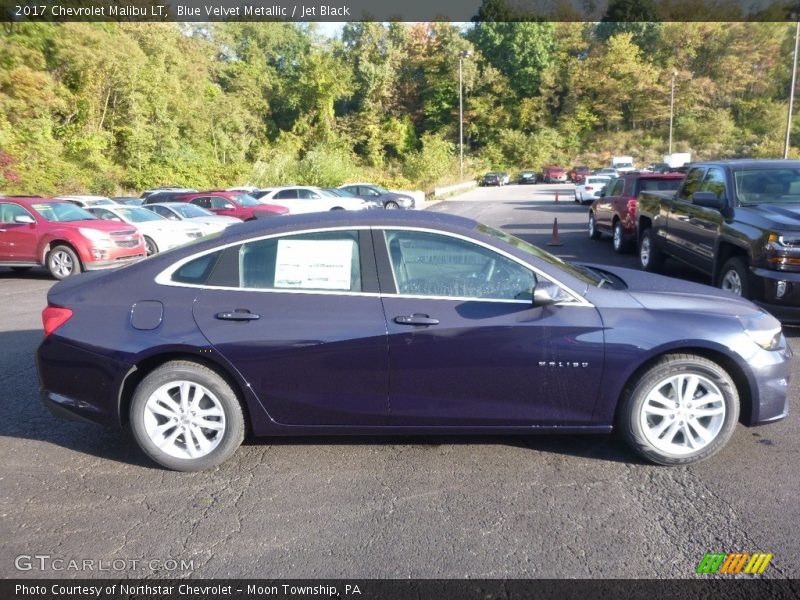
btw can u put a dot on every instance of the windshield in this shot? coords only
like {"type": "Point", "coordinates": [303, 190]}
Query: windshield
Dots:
{"type": "Point", "coordinates": [189, 211]}
{"type": "Point", "coordinates": [62, 212]}
{"type": "Point", "coordinates": [767, 186]}
{"type": "Point", "coordinates": [583, 273]}
{"type": "Point", "coordinates": [246, 200]}
{"type": "Point", "coordinates": [138, 215]}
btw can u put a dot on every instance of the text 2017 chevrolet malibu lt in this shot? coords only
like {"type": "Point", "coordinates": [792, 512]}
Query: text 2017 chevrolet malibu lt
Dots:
{"type": "Point", "coordinates": [402, 323]}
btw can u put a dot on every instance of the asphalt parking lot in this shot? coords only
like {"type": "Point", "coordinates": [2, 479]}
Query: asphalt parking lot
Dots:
{"type": "Point", "coordinates": [493, 507]}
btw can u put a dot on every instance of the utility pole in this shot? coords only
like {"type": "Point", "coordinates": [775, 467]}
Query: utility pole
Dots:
{"type": "Point", "coordinates": [671, 110]}
{"type": "Point", "coordinates": [461, 56]}
{"type": "Point", "coordinates": [791, 93]}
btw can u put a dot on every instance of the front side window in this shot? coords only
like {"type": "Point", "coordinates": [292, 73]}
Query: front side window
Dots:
{"type": "Point", "coordinates": [9, 212]}
{"type": "Point", "coordinates": [325, 261]}
{"type": "Point", "coordinates": [218, 202]}
{"type": "Point", "coordinates": [714, 182]}
{"type": "Point", "coordinates": [429, 264]}
{"type": "Point", "coordinates": [691, 184]}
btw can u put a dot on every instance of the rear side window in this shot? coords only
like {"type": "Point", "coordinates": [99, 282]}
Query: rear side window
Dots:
{"type": "Point", "coordinates": [203, 201]}
{"type": "Point", "coordinates": [197, 271]}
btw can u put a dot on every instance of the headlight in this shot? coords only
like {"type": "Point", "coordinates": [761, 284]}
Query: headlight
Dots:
{"type": "Point", "coordinates": [764, 330]}
{"type": "Point", "coordinates": [95, 235]}
{"type": "Point", "coordinates": [783, 251]}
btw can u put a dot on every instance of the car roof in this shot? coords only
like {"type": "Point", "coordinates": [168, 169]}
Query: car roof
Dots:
{"type": "Point", "coordinates": [750, 163]}
{"type": "Point", "coordinates": [34, 199]}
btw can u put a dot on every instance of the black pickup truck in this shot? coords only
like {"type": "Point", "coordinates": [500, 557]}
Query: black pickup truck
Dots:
{"type": "Point", "coordinates": [736, 220]}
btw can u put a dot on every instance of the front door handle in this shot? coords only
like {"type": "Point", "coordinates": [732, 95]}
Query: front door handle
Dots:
{"type": "Point", "coordinates": [238, 315]}
{"type": "Point", "coordinates": [416, 319]}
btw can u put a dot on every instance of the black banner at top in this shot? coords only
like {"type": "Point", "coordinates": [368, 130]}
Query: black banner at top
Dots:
{"type": "Point", "coordinates": [391, 10]}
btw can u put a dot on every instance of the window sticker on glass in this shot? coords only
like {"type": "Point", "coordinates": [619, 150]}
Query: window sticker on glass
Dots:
{"type": "Point", "coordinates": [314, 264]}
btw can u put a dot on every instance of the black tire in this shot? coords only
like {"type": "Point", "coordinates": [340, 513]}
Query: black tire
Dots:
{"type": "Point", "coordinates": [621, 243]}
{"type": "Point", "coordinates": [150, 245]}
{"type": "Point", "coordinates": [734, 272]}
{"type": "Point", "coordinates": [227, 440]}
{"type": "Point", "coordinates": [594, 232]}
{"type": "Point", "coordinates": [631, 419]}
{"type": "Point", "coordinates": [337, 208]}
{"type": "Point", "coordinates": [62, 262]}
{"type": "Point", "coordinates": [391, 205]}
{"type": "Point", "coordinates": [651, 259]}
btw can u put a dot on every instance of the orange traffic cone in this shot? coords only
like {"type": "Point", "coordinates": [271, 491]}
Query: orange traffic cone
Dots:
{"type": "Point", "coordinates": [556, 197]}
{"type": "Point", "coordinates": [555, 240]}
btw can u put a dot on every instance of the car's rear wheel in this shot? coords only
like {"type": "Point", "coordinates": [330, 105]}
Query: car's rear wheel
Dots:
{"type": "Point", "coordinates": [186, 417]}
{"type": "Point", "coordinates": [391, 205]}
{"type": "Point", "coordinates": [594, 232]}
{"type": "Point", "coordinates": [733, 277]}
{"type": "Point", "coordinates": [650, 257]}
{"type": "Point", "coordinates": [151, 246]}
{"type": "Point", "coordinates": [621, 243]}
{"type": "Point", "coordinates": [682, 409]}
{"type": "Point", "coordinates": [63, 262]}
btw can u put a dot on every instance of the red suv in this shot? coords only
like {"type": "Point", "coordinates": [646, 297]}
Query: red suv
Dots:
{"type": "Point", "coordinates": [554, 175]}
{"type": "Point", "coordinates": [229, 204]}
{"type": "Point", "coordinates": [615, 210]}
{"type": "Point", "coordinates": [63, 237]}
{"type": "Point", "coordinates": [578, 174]}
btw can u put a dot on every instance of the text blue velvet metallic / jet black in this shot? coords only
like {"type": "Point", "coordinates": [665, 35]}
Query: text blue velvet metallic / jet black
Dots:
{"type": "Point", "coordinates": [339, 364]}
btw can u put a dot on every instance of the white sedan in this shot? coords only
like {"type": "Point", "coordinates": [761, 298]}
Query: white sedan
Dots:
{"type": "Point", "coordinates": [590, 189]}
{"type": "Point", "coordinates": [159, 233]}
{"type": "Point", "coordinates": [306, 199]}
{"type": "Point", "coordinates": [192, 214]}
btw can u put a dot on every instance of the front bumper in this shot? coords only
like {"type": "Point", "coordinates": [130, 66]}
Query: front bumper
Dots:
{"type": "Point", "coordinates": [771, 372]}
{"type": "Point", "coordinates": [778, 292]}
{"type": "Point", "coordinates": [96, 265]}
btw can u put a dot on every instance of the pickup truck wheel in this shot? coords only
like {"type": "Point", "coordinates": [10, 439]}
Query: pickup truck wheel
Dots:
{"type": "Point", "coordinates": [651, 258]}
{"type": "Point", "coordinates": [621, 244]}
{"type": "Point", "coordinates": [733, 277]}
{"type": "Point", "coordinates": [594, 232]}
{"type": "Point", "coordinates": [681, 410]}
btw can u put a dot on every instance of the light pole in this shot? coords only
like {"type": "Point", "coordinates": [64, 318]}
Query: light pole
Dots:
{"type": "Point", "coordinates": [791, 93]}
{"type": "Point", "coordinates": [671, 109]}
{"type": "Point", "coordinates": [461, 56]}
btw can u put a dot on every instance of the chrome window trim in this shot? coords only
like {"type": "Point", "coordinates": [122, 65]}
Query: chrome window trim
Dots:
{"type": "Point", "coordinates": [165, 276]}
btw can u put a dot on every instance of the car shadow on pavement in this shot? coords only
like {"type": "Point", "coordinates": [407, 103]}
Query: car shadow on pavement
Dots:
{"type": "Point", "coordinates": [34, 273]}
{"type": "Point", "coordinates": [607, 448]}
{"type": "Point", "coordinates": [27, 418]}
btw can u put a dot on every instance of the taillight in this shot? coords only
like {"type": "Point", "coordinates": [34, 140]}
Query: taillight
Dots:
{"type": "Point", "coordinates": [54, 317]}
{"type": "Point", "coordinates": [632, 208]}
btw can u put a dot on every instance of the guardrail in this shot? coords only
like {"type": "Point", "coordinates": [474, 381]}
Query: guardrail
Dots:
{"type": "Point", "coordinates": [449, 189]}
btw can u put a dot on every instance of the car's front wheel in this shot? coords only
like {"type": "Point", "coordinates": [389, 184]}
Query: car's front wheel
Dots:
{"type": "Point", "coordinates": [186, 417]}
{"type": "Point", "coordinates": [63, 262]}
{"type": "Point", "coordinates": [391, 205]}
{"type": "Point", "coordinates": [733, 277]}
{"type": "Point", "coordinates": [682, 409]}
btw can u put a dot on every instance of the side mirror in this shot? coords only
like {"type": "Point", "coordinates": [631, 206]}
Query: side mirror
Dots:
{"type": "Point", "coordinates": [25, 220]}
{"type": "Point", "coordinates": [603, 193]}
{"type": "Point", "coordinates": [708, 200]}
{"type": "Point", "coordinates": [546, 293]}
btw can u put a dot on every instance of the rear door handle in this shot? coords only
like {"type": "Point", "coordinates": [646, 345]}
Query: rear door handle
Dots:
{"type": "Point", "coordinates": [238, 315]}
{"type": "Point", "coordinates": [415, 319]}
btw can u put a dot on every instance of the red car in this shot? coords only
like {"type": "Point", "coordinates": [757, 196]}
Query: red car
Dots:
{"type": "Point", "coordinates": [62, 237]}
{"type": "Point", "coordinates": [230, 204]}
{"type": "Point", "coordinates": [578, 174]}
{"type": "Point", "coordinates": [554, 175]}
{"type": "Point", "coordinates": [615, 211]}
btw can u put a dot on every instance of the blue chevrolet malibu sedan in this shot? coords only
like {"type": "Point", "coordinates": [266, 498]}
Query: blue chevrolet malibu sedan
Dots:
{"type": "Point", "coordinates": [402, 323]}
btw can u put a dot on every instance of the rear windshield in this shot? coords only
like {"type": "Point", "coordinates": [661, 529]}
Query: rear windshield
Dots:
{"type": "Point", "coordinates": [62, 212]}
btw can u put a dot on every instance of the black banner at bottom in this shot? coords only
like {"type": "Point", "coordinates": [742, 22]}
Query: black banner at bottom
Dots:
{"type": "Point", "coordinates": [397, 589]}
